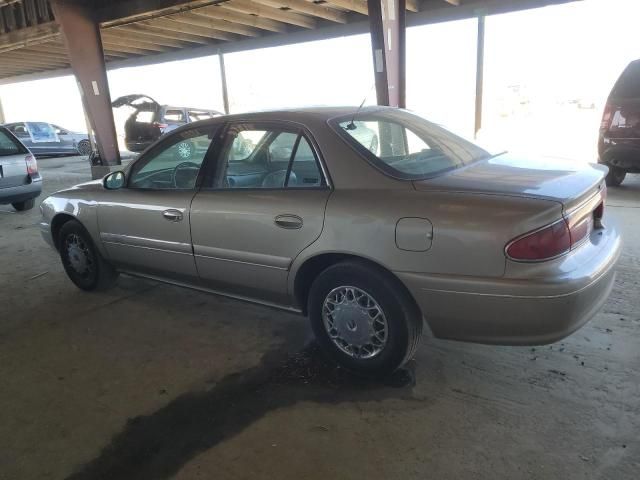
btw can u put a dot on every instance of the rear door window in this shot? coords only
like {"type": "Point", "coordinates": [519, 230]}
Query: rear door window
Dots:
{"type": "Point", "coordinates": [19, 130]}
{"type": "Point", "coordinates": [174, 115]}
{"type": "Point", "coordinates": [628, 86]}
{"type": "Point", "coordinates": [196, 115]}
{"type": "Point", "coordinates": [268, 157]}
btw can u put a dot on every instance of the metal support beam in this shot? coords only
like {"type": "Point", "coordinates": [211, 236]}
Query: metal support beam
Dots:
{"type": "Point", "coordinates": [84, 46]}
{"type": "Point", "coordinates": [223, 78]}
{"type": "Point", "coordinates": [479, 75]}
{"type": "Point", "coordinates": [387, 23]}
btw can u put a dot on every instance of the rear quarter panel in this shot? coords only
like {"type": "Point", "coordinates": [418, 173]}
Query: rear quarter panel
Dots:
{"type": "Point", "coordinates": [470, 231]}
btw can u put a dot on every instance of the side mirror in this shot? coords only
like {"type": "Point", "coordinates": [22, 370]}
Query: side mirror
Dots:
{"type": "Point", "coordinates": [114, 180]}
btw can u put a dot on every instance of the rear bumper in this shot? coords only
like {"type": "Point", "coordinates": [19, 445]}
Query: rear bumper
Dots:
{"type": "Point", "coordinates": [533, 311]}
{"type": "Point", "coordinates": [621, 153]}
{"type": "Point", "coordinates": [21, 192]}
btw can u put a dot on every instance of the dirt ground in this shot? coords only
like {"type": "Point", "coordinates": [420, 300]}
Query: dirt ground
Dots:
{"type": "Point", "coordinates": [152, 382]}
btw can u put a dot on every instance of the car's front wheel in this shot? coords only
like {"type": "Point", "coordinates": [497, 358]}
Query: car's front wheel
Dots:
{"type": "Point", "coordinates": [615, 177]}
{"type": "Point", "coordinates": [363, 318]}
{"type": "Point", "coordinates": [26, 205]}
{"type": "Point", "coordinates": [82, 261]}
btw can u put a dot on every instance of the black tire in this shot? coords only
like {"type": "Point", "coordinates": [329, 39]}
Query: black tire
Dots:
{"type": "Point", "coordinates": [26, 205]}
{"type": "Point", "coordinates": [84, 147]}
{"type": "Point", "coordinates": [615, 176]}
{"type": "Point", "coordinates": [77, 250]}
{"type": "Point", "coordinates": [404, 320]}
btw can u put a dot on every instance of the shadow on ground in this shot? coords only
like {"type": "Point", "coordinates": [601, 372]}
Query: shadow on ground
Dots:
{"type": "Point", "coordinates": [155, 447]}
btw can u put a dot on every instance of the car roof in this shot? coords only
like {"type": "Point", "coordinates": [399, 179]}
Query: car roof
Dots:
{"type": "Point", "coordinates": [299, 114]}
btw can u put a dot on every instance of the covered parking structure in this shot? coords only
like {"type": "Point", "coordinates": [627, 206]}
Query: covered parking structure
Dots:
{"type": "Point", "coordinates": [151, 381]}
{"type": "Point", "coordinates": [43, 38]}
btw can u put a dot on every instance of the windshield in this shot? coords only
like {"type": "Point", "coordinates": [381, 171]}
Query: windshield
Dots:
{"type": "Point", "coordinates": [406, 146]}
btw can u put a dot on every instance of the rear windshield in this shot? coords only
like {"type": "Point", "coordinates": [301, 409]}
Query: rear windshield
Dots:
{"type": "Point", "coordinates": [406, 146]}
{"type": "Point", "coordinates": [9, 145]}
{"type": "Point", "coordinates": [629, 84]}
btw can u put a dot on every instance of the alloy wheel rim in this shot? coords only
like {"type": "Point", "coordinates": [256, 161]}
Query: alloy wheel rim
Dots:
{"type": "Point", "coordinates": [355, 322]}
{"type": "Point", "coordinates": [78, 255]}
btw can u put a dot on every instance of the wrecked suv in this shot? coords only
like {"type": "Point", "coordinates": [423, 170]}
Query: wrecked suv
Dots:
{"type": "Point", "coordinates": [150, 120]}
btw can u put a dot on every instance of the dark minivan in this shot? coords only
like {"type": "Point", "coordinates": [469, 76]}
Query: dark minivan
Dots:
{"type": "Point", "coordinates": [150, 120]}
{"type": "Point", "coordinates": [619, 142]}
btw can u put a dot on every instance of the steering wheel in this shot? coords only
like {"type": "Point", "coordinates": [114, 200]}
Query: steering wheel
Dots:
{"type": "Point", "coordinates": [182, 165]}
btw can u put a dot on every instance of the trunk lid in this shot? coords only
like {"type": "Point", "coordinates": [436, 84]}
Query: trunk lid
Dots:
{"type": "Point", "coordinates": [137, 101]}
{"type": "Point", "coordinates": [566, 182]}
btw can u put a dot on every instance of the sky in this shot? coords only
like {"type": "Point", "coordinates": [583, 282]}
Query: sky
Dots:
{"type": "Point", "coordinates": [541, 57]}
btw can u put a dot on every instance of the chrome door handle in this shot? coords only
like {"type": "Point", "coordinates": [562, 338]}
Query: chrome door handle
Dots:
{"type": "Point", "coordinates": [291, 222]}
{"type": "Point", "coordinates": [172, 215]}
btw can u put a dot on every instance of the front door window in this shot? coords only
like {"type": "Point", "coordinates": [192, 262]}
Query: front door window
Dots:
{"type": "Point", "coordinates": [174, 164]}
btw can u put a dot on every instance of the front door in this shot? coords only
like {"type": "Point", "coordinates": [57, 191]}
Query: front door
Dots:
{"type": "Point", "coordinates": [145, 226]}
{"type": "Point", "coordinates": [265, 204]}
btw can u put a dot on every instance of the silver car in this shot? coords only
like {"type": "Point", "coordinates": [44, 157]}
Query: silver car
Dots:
{"type": "Point", "coordinates": [366, 232]}
{"type": "Point", "coordinates": [20, 182]}
{"type": "Point", "coordinates": [56, 141]}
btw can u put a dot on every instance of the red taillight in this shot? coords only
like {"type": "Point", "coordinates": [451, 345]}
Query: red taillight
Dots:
{"type": "Point", "coordinates": [559, 237]}
{"type": "Point", "coordinates": [542, 244]}
{"type": "Point", "coordinates": [32, 165]}
{"type": "Point", "coordinates": [161, 126]}
{"type": "Point", "coordinates": [607, 116]}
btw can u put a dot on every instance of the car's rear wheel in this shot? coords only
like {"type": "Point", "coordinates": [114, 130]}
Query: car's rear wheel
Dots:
{"type": "Point", "coordinates": [615, 176]}
{"type": "Point", "coordinates": [26, 205]}
{"type": "Point", "coordinates": [84, 147]}
{"type": "Point", "coordinates": [363, 318]}
{"type": "Point", "coordinates": [81, 259]}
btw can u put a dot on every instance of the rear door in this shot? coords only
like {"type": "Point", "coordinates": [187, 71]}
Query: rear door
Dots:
{"type": "Point", "coordinates": [13, 168]}
{"type": "Point", "coordinates": [43, 138]}
{"type": "Point", "coordinates": [265, 204]}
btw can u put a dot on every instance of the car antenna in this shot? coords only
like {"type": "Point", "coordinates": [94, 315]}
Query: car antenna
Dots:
{"type": "Point", "coordinates": [351, 125]}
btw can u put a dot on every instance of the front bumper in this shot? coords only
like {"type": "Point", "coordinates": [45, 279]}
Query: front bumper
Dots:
{"type": "Point", "coordinates": [523, 311]}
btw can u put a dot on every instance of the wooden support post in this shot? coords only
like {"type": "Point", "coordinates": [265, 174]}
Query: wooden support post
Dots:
{"type": "Point", "coordinates": [388, 41]}
{"type": "Point", "coordinates": [82, 38]}
{"type": "Point", "coordinates": [479, 76]}
{"type": "Point", "coordinates": [223, 78]}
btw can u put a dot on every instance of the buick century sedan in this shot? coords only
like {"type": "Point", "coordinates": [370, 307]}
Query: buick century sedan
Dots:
{"type": "Point", "coordinates": [369, 221]}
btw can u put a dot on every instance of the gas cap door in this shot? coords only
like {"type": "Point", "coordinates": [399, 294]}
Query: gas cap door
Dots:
{"type": "Point", "coordinates": [414, 234]}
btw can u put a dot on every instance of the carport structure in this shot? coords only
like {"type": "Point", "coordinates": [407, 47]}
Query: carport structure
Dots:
{"type": "Point", "coordinates": [43, 38]}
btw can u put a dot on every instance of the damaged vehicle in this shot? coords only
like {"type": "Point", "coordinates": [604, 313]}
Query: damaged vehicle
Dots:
{"type": "Point", "coordinates": [372, 222]}
{"type": "Point", "coordinates": [150, 120]}
{"type": "Point", "coordinates": [20, 181]}
{"type": "Point", "coordinates": [619, 139]}
{"type": "Point", "coordinates": [47, 139]}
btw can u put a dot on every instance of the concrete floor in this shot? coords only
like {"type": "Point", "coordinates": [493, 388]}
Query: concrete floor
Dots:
{"type": "Point", "coordinates": [150, 381]}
